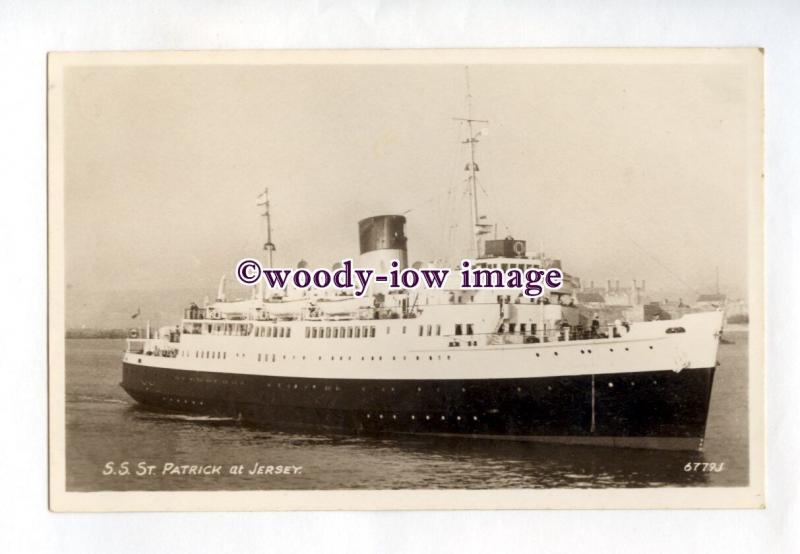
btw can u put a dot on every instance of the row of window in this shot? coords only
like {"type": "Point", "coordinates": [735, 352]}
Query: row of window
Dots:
{"type": "Point", "coordinates": [236, 330]}
{"type": "Point", "coordinates": [290, 386]}
{"type": "Point", "coordinates": [427, 417]}
{"type": "Point", "coordinates": [350, 332]}
{"type": "Point", "coordinates": [366, 331]}
{"type": "Point", "coordinates": [214, 355]}
{"type": "Point", "coordinates": [274, 332]}
{"type": "Point", "coordinates": [512, 328]}
{"type": "Point", "coordinates": [205, 354]}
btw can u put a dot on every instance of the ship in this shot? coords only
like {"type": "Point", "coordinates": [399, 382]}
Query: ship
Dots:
{"type": "Point", "coordinates": [478, 363]}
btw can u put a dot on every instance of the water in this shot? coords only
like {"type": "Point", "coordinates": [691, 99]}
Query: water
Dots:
{"type": "Point", "coordinates": [104, 425]}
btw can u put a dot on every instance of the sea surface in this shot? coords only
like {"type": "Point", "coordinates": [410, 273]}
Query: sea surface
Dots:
{"type": "Point", "coordinates": [113, 444]}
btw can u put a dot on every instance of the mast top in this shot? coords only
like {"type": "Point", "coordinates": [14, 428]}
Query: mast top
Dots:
{"type": "Point", "coordinates": [478, 228]}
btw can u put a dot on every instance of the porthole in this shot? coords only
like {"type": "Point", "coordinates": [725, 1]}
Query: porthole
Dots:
{"type": "Point", "coordinates": [651, 347]}
{"type": "Point", "coordinates": [427, 417]}
{"type": "Point", "coordinates": [626, 349]}
{"type": "Point", "coordinates": [610, 349]}
{"type": "Point", "coordinates": [537, 354]}
{"type": "Point", "coordinates": [610, 385]}
{"type": "Point", "coordinates": [555, 353]}
{"type": "Point", "coordinates": [442, 418]}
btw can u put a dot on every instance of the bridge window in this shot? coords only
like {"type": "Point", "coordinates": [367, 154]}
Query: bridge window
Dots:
{"type": "Point", "coordinates": [458, 329]}
{"type": "Point", "coordinates": [469, 328]}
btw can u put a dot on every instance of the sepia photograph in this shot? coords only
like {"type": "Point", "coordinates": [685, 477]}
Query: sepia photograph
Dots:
{"type": "Point", "coordinates": [396, 279]}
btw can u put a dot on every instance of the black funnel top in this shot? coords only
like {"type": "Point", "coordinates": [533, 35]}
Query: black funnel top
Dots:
{"type": "Point", "coordinates": [382, 232]}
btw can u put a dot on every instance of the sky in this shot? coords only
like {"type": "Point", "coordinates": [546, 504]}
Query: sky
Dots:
{"type": "Point", "coordinates": [623, 171]}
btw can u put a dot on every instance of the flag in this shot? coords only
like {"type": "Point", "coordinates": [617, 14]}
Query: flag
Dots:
{"type": "Point", "coordinates": [138, 311]}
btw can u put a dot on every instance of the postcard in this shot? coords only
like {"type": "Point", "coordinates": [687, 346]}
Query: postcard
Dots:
{"type": "Point", "coordinates": [406, 279]}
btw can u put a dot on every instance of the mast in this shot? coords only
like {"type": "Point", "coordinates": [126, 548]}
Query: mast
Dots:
{"type": "Point", "coordinates": [269, 247]}
{"type": "Point", "coordinates": [472, 167]}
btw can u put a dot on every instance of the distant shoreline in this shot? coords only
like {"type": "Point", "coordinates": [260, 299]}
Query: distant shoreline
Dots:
{"type": "Point", "coordinates": [97, 333]}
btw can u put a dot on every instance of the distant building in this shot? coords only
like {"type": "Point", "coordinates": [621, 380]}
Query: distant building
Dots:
{"type": "Point", "coordinates": [710, 300]}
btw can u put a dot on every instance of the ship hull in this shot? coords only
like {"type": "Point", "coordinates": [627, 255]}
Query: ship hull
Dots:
{"type": "Point", "coordinates": [654, 409]}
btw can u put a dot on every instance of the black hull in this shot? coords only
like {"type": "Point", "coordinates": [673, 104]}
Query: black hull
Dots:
{"type": "Point", "coordinates": [661, 409]}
